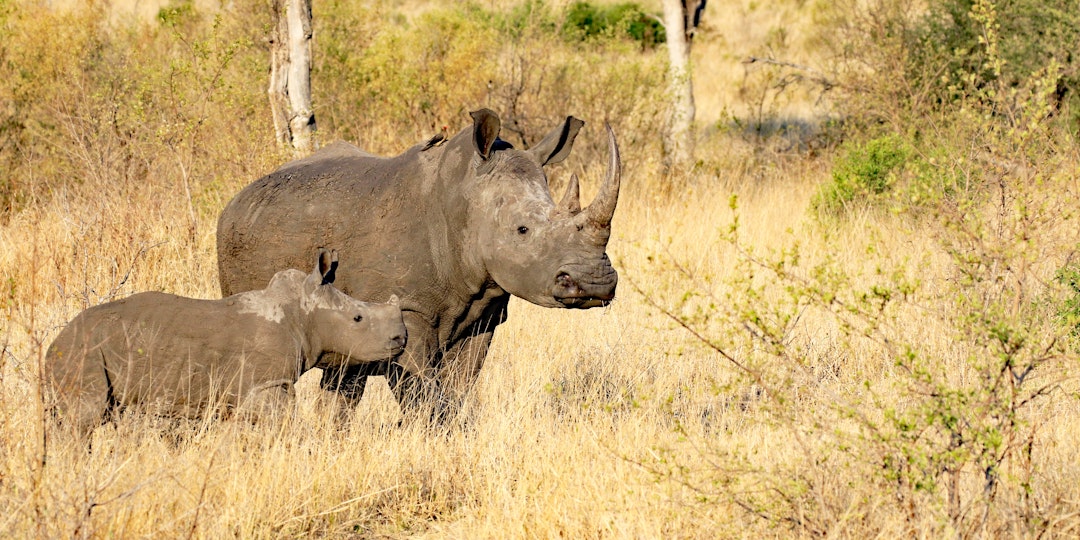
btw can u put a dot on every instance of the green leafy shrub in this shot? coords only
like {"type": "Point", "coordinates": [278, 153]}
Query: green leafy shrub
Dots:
{"type": "Point", "coordinates": [1068, 276]}
{"type": "Point", "coordinates": [862, 172]}
{"type": "Point", "coordinates": [585, 20]}
{"type": "Point", "coordinates": [528, 17]}
{"type": "Point", "coordinates": [431, 72]}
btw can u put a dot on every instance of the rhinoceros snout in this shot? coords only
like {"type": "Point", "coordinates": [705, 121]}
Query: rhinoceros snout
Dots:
{"type": "Point", "coordinates": [396, 345]}
{"type": "Point", "coordinates": [577, 293]}
{"type": "Point", "coordinates": [398, 342]}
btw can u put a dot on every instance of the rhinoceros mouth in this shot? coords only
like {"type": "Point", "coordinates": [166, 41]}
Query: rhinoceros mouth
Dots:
{"type": "Point", "coordinates": [583, 303]}
{"type": "Point", "coordinates": [396, 347]}
{"type": "Point", "coordinates": [571, 294]}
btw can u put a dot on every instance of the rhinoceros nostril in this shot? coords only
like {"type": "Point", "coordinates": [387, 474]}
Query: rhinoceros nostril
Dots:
{"type": "Point", "coordinates": [564, 280]}
{"type": "Point", "coordinates": [397, 343]}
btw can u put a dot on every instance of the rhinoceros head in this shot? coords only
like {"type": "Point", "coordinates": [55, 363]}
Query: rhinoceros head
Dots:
{"type": "Point", "coordinates": [550, 254]}
{"type": "Point", "coordinates": [359, 331]}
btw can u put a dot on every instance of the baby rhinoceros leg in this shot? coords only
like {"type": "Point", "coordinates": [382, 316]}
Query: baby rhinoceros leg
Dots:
{"type": "Point", "coordinates": [271, 400]}
{"type": "Point", "coordinates": [82, 397]}
{"type": "Point", "coordinates": [84, 413]}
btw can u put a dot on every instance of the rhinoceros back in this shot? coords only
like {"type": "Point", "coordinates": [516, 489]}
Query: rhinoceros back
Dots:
{"type": "Point", "coordinates": [126, 349]}
{"type": "Point", "coordinates": [276, 221]}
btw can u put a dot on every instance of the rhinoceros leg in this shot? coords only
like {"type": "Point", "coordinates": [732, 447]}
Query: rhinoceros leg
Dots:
{"type": "Point", "coordinates": [419, 394]}
{"type": "Point", "coordinates": [461, 368]}
{"type": "Point", "coordinates": [348, 384]}
{"type": "Point", "coordinates": [347, 381]}
{"type": "Point", "coordinates": [267, 401]}
{"type": "Point", "coordinates": [82, 414]}
{"type": "Point", "coordinates": [85, 398]}
{"type": "Point", "coordinates": [411, 375]}
{"type": "Point", "coordinates": [444, 393]}
{"type": "Point", "coordinates": [462, 361]}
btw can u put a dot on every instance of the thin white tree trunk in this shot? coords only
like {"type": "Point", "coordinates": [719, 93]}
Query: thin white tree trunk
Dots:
{"type": "Point", "coordinates": [678, 141]}
{"type": "Point", "coordinates": [290, 75]}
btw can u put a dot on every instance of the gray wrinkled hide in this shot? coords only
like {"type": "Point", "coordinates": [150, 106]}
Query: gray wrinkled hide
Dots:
{"type": "Point", "coordinates": [181, 356]}
{"type": "Point", "coordinates": [459, 224]}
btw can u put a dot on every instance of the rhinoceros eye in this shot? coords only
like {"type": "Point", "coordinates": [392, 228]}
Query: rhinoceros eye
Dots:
{"type": "Point", "coordinates": [358, 318]}
{"type": "Point", "coordinates": [523, 229]}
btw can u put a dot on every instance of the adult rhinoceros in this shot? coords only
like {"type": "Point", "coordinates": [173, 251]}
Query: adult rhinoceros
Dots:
{"type": "Point", "coordinates": [453, 227]}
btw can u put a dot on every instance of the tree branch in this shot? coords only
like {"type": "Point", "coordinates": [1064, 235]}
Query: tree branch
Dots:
{"type": "Point", "coordinates": [814, 74]}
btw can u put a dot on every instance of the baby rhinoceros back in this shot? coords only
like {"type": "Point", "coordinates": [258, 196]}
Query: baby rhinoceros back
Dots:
{"type": "Point", "coordinates": [182, 357]}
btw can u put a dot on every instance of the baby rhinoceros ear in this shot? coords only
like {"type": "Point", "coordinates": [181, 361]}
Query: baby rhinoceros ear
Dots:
{"type": "Point", "coordinates": [326, 266]}
{"type": "Point", "coordinates": [394, 300]}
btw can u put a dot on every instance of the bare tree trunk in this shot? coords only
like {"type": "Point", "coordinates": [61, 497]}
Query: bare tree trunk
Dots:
{"type": "Point", "coordinates": [681, 18]}
{"type": "Point", "coordinates": [290, 75]}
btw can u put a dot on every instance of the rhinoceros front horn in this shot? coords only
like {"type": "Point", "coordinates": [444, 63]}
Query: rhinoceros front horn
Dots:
{"type": "Point", "coordinates": [600, 211]}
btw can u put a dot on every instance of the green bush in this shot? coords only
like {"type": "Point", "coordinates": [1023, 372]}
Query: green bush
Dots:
{"type": "Point", "coordinates": [527, 17]}
{"type": "Point", "coordinates": [933, 175]}
{"type": "Point", "coordinates": [1068, 276]}
{"type": "Point", "coordinates": [862, 172]}
{"type": "Point", "coordinates": [585, 20]}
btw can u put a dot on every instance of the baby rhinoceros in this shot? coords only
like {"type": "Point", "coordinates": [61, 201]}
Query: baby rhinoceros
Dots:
{"type": "Point", "coordinates": [184, 357]}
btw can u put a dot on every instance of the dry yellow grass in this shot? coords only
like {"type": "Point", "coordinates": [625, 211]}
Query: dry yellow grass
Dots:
{"type": "Point", "coordinates": [608, 423]}
{"type": "Point", "coordinates": [565, 427]}
{"type": "Point", "coordinates": [551, 445]}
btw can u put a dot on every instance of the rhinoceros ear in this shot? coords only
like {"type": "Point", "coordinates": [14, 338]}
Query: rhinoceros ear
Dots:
{"type": "Point", "coordinates": [326, 266]}
{"type": "Point", "coordinates": [486, 126]}
{"type": "Point", "coordinates": [556, 145]}
{"type": "Point", "coordinates": [394, 300]}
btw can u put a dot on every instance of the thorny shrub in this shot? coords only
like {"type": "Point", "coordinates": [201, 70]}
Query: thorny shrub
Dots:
{"type": "Point", "coordinates": [929, 380]}
{"type": "Point", "coordinates": [931, 387]}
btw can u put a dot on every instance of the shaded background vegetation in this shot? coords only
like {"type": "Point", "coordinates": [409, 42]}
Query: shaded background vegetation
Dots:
{"type": "Point", "coordinates": [856, 315]}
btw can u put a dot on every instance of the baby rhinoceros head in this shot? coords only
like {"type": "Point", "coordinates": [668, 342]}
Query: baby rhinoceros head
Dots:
{"type": "Point", "coordinates": [359, 331]}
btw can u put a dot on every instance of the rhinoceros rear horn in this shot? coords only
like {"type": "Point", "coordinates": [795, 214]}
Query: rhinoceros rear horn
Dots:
{"type": "Point", "coordinates": [602, 209]}
{"type": "Point", "coordinates": [571, 201]}
{"type": "Point", "coordinates": [486, 126]}
{"type": "Point", "coordinates": [326, 266]}
{"type": "Point", "coordinates": [556, 145]}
